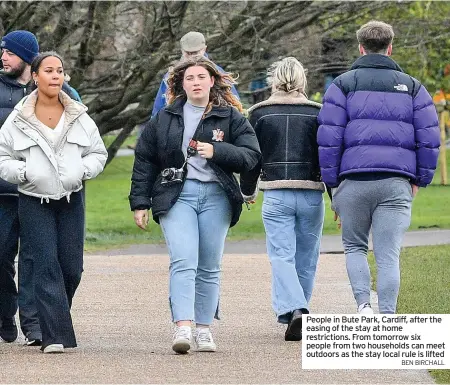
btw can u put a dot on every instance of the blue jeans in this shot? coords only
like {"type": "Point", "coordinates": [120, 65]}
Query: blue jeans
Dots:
{"type": "Point", "coordinates": [195, 229]}
{"type": "Point", "coordinates": [293, 220]}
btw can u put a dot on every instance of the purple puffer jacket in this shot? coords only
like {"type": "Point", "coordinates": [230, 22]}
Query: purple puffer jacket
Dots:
{"type": "Point", "coordinates": [376, 118]}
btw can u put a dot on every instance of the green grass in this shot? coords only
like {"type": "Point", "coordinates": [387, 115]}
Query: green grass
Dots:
{"type": "Point", "coordinates": [108, 216]}
{"type": "Point", "coordinates": [425, 286]}
{"type": "Point", "coordinates": [110, 221]}
{"type": "Point", "coordinates": [108, 139]}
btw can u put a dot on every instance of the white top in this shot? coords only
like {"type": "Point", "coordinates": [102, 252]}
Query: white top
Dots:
{"type": "Point", "coordinates": [53, 134]}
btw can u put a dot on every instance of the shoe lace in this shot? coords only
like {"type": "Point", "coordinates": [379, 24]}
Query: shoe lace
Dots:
{"type": "Point", "coordinates": [204, 336]}
{"type": "Point", "coordinates": [182, 333]}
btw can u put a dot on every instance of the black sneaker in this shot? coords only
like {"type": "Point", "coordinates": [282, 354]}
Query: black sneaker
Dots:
{"type": "Point", "coordinates": [33, 340]}
{"type": "Point", "coordinates": [8, 329]}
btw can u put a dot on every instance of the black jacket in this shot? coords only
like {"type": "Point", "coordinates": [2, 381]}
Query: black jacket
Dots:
{"type": "Point", "coordinates": [286, 127]}
{"type": "Point", "coordinates": [11, 93]}
{"type": "Point", "coordinates": [159, 147]}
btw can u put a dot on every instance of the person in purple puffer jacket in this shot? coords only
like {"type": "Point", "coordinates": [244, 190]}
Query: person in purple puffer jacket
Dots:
{"type": "Point", "coordinates": [378, 143]}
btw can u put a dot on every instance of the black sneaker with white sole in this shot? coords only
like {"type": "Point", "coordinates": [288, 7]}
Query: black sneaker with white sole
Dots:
{"type": "Point", "coordinates": [33, 339]}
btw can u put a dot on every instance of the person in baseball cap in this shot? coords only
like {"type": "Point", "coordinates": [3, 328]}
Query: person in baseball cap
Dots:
{"type": "Point", "coordinates": [193, 43]}
{"type": "Point", "coordinates": [22, 43]}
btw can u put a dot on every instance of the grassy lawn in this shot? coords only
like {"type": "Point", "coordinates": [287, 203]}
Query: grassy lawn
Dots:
{"type": "Point", "coordinates": [425, 286]}
{"type": "Point", "coordinates": [108, 139]}
{"type": "Point", "coordinates": [110, 221]}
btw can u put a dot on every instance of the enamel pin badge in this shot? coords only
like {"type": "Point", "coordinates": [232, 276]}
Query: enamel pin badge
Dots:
{"type": "Point", "coordinates": [218, 135]}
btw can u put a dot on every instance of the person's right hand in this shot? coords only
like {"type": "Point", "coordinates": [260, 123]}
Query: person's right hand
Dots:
{"type": "Point", "coordinates": [336, 218]}
{"type": "Point", "coordinates": [141, 218]}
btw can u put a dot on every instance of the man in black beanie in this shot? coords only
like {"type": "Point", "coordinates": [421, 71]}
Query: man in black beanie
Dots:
{"type": "Point", "coordinates": [19, 48]}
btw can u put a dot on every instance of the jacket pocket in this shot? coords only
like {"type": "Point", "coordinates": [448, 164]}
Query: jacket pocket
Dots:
{"type": "Point", "coordinates": [28, 149]}
{"type": "Point", "coordinates": [70, 160]}
{"type": "Point", "coordinates": [39, 172]}
{"type": "Point", "coordinates": [314, 198]}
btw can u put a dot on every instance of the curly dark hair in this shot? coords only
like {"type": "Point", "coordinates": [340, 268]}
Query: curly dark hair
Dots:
{"type": "Point", "coordinates": [220, 94]}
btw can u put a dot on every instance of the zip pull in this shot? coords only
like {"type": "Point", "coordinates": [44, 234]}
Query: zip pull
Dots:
{"type": "Point", "coordinates": [248, 206]}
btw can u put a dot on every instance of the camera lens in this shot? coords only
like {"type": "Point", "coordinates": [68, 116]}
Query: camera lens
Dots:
{"type": "Point", "coordinates": [168, 173]}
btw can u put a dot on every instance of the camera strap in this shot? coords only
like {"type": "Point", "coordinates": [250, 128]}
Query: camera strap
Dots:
{"type": "Point", "coordinates": [192, 146]}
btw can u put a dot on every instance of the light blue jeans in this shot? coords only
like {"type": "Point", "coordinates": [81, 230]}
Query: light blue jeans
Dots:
{"type": "Point", "coordinates": [293, 220]}
{"type": "Point", "coordinates": [195, 229]}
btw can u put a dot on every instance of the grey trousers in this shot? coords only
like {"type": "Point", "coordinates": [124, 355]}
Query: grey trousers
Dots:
{"type": "Point", "coordinates": [385, 207]}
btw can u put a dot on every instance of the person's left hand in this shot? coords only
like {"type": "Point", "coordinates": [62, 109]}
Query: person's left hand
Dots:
{"type": "Point", "coordinates": [205, 150]}
{"type": "Point", "coordinates": [415, 190]}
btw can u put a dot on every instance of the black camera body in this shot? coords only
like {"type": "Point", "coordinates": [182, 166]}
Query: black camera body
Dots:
{"type": "Point", "coordinates": [171, 175]}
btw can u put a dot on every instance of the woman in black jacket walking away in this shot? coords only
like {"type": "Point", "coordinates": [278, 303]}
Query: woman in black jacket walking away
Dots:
{"type": "Point", "coordinates": [183, 171]}
{"type": "Point", "coordinates": [293, 209]}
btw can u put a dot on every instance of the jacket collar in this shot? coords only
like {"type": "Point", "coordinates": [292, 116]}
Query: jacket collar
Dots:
{"type": "Point", "coordinates": [376, 60]}
{"type": "Point", "coordinates": [282, 97]}
{"type": "Point", "coordinates": [12, 82]}
{"type": "Point", "coordinates": [177, 108]}
{"type": "Point", "coordinates": [72, 109]}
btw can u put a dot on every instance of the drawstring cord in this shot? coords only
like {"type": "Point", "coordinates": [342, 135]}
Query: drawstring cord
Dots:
{"type": "Point", "coordinates": [47, 199]}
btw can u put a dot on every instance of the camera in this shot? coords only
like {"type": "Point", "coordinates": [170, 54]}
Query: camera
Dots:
{"type": "Point", "coordinates": [172, 174]}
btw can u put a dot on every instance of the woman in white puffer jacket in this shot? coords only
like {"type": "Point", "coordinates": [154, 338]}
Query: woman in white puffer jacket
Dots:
{"type": "Point", "coordinates": [48, 146]}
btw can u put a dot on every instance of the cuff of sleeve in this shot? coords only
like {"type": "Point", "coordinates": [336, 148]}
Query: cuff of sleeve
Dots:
{"type": "Point", "coordinates": [22, 176]}
{"type": "Point", "coordinates": [248, 198]}
{"type": "Point", "coordinates": [87, 174]}
{"type": "Point", "coordinates": [418, 183]}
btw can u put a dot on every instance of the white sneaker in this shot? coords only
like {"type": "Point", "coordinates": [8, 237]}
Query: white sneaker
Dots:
{"type": "Point", "coordinates": [365, 308]}
{"type": "Point", "coordinates": [54, 348]}
{"type": "Point", "coordinates": [204, 340]}
{"type": "Point", "coordinates": [182, 339]}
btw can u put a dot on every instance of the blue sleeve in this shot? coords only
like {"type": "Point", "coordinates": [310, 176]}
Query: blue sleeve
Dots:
{"type": "Point", "coordinates": [333, 119]}
{"type": "Point", "coordinates": [160, 100]}
{"type": "Point", "coordinates": [75, 94]}
{"type": "Point", "coordinates": [234, 91]}
{"type": "Point", "coordinates": [233, 88]}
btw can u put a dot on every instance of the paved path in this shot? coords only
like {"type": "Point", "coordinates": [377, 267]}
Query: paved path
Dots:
{"type": "Point", "coordinates": [330, 244]}
{"type": "Point", "coordinates": [122, 322]}
{"type": "Point", "coordinates": [125, 152]}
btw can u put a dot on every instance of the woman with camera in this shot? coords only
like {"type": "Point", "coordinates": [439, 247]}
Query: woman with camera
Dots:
{"type": "Point", "coordinates": [293, 208]}
{"type": "Point", "coordinates": [183, 170]}
{"type": "Point", "coordinates": [48, 147]}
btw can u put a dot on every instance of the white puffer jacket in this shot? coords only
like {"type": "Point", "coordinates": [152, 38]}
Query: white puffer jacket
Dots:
{"type": "Point", "coordinates": [40, 169]}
